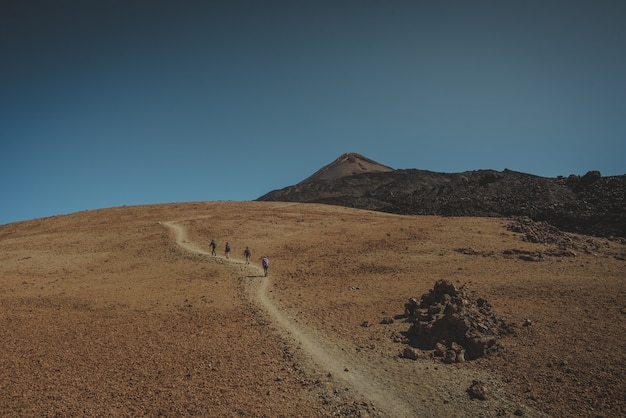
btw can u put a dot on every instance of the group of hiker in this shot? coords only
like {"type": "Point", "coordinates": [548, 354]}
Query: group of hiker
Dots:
{"type": "Point", "coordinates": [265, 262]}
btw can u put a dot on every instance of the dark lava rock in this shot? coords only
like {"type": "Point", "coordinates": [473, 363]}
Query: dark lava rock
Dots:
{"type": "Point", "coordinates": [456, 323]}
{"type": "Point", "coordinates": [589, 204]}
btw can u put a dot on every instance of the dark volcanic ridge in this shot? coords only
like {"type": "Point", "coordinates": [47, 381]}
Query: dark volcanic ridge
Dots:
{"type": "Point", "coordinates": [589, 204]}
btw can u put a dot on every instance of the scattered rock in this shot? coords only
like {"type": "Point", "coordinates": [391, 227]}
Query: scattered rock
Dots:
{"type": "Point", "coordinates": [457, 354]}
{"type": "Point", "coordinates": [412, 353]}
{"type": "Point", "coordinates": [449, 356]}
{"type": "Point", "coordinates": [477, 390]}
{"type": "Point", "coordinates": [540, 255]}
{"type": "Point", "coordinates": [387, 320]}
{"type": "Point", "coordinates": [539, 232]}
{"type": "Point", "coordinates": [467, 251]}
{"type": "Point", "coordinates": [410, 307]}
{"type": "Point", "coordinates": [528, 257]}
{"type": "Point", "coordinates": [440, 349]}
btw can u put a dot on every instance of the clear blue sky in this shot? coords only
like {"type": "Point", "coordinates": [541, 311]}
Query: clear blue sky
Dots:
{"type": "Point", "coordinates": [110, 103]}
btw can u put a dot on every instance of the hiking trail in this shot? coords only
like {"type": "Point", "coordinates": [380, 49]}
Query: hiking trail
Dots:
{"type": "Point", "coordinates": [332, 359]}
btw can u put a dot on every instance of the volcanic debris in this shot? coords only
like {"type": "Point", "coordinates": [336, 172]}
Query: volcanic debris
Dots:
{"type": "Point", "coordinates": [456, 323]}
{"type": "Point", "coordinates": [539, 232]}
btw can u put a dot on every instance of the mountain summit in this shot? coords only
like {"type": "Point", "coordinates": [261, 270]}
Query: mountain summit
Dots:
{"type": "Point", "coordinates": [348, 164]}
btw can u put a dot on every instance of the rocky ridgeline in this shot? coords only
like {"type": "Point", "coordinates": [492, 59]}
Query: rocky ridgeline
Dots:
{"type": "Point", "coordinates": [589, 204]}
{"type": "Point", "coordinates": [455, 323]}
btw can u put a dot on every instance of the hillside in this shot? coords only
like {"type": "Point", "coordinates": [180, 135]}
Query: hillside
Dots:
{"type": "Point", "coordinates": [589, 204]}
{"type": "Point", "coordinates": [123, 312]}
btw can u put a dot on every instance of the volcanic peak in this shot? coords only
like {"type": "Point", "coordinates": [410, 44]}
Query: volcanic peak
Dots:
{"type": "Point", "coordinates": [347, 164]}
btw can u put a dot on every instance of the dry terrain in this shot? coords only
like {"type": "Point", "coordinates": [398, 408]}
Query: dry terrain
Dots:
{"type": "Point", "coordinates": [124, 312]}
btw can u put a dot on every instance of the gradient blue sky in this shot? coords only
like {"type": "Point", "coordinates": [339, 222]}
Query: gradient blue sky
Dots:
{"type": "Point", "coordinates": [110, 103]}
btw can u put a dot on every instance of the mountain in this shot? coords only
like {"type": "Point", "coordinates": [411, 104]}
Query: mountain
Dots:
{"type": "Point", "coordinates": [589, 204]}
{"type": "Point", "coordinates": [348, 164]}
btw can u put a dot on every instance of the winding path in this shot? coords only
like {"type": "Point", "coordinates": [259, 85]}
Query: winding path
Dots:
{"type": "Point", "coordinates": [325, 355]}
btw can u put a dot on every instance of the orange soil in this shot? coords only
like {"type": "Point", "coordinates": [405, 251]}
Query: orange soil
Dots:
{"type": "Point", "coordinates": [121, 312]}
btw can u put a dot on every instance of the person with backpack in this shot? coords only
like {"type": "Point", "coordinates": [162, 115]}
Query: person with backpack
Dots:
{"type": "Point", "coordinates": [213, 245]}
{"type": "Point", "coordinates": [227, 251]}
{"type": "Point", "coordinates": [247, 255]}
{"type": "Point", "coordinates": [265, 262]}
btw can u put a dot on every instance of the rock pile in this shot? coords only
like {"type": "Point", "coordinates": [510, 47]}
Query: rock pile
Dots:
{"type": "Point", "coordinates": [539, 232]}
{"type": "Point", "coordinates": [456, 323]}
{"type": "Point", "coordinates": [544, 233]}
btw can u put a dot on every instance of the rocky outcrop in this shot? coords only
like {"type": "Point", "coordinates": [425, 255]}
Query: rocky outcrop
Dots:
{"type": "Point", "coordinates": [456, 323]}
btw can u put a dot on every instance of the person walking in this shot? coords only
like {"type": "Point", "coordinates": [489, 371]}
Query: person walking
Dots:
{"type": "Point", "coordinates": [247, 255]}
{"type": "Point", "coordinates": [213, 245]}
{"type": "Point", "coordinates": [265, 262]}
{"type": "Point", "coordinates": [227, 251]}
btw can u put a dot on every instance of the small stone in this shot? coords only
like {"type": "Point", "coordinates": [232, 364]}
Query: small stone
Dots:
{"type": "Point", "coordinates": [412, 353]}
{"type": "Point", "coordinates": [440, 349]}
{"type": "Point", "coordinates": [449, 357]}
{"type": "Point", "coordinates": [477, 390]}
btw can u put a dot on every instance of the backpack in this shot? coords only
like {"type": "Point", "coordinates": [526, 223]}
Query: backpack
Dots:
{"type": "Point", "coordinates": [265, 262]}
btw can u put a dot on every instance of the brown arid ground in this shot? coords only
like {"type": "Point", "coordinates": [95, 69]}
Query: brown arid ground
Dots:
{"type": "Point", "coordinates": [123, 312]}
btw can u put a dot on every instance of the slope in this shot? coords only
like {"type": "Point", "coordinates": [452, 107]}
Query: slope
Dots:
{"type": "Point", "coordinates": [348, 164]}
{"type": "Point", "coordinates": [104, 313]}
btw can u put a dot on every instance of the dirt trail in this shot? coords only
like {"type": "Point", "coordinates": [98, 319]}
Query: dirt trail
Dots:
{"type": "Point", "coordinates": [330, 358]}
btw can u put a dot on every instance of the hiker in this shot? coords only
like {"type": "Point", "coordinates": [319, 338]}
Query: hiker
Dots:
{"type": "Point", "coordinates": [227, 251]}
{"type": "Point", "coordinates": [247, 254]}
{"type": "Point", "coordinates": [213, 245]}
{"type": "Point", "coordinates": [265, 262]}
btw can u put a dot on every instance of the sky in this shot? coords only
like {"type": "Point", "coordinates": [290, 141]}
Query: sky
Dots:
{"type": "Point", "coordinates": [106, 103]}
